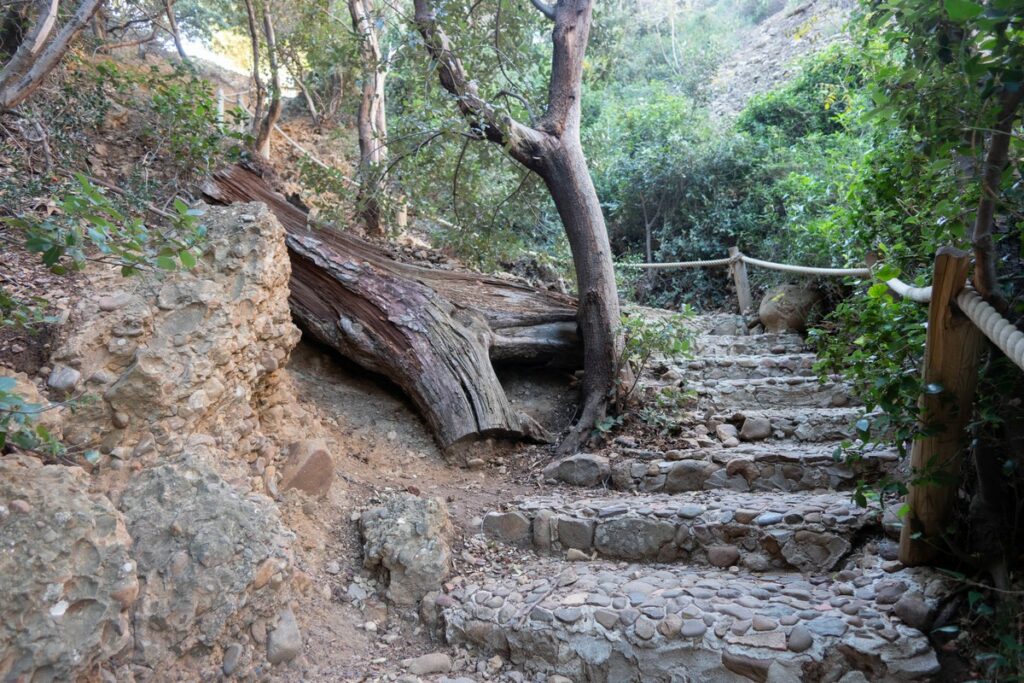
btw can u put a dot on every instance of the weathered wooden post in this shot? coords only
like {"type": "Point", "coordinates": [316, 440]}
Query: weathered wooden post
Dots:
{"type": "Point", "coordinates": [220, 107]}
{"type": "Point", "coordinates": [739, 276]}
{"type": "Point", "coordinates": [950, 375]}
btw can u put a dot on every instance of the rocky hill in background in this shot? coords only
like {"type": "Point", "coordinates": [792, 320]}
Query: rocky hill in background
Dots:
{"type": "Point", "coordinates": [770, 52]}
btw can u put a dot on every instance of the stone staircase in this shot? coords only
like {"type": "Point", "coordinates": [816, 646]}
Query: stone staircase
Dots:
{"type": "Point", "coordinates": [739, 555]}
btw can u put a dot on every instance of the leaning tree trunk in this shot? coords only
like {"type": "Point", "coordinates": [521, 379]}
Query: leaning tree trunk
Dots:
{"type": "Point", "coordinates": [566, 176]}
{"type": "Point", "coordinates": [552, 149]}
{"type": "Point", "coordinates": [172, 24]}
{"type": "Point", "coordinates": [434, 333]}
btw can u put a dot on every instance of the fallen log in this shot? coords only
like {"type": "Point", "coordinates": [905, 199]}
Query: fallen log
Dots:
{"type": "Point", "coordinates": [434, 333]}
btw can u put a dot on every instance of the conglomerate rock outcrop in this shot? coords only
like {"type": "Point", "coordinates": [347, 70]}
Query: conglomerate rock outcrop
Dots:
{"type": "Point", "coordinates": [170, 560]}
{"type": "Point", "coordinates": [67, 578]}
{"type": "Point", "coordinates": [194, 351]}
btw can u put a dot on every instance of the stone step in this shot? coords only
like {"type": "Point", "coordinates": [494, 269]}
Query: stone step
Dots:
{"type": "Point", "coordinates": [742, 367]}
{"type": "Point", "coordinates": [759, 531]}
{"type": "Point", "coordinates": [809, 425]}
{"type": "Point", "coordinates": [610, 622]}
{"type": "Point", "coordinates": [779, 466]}
{"type": "Point", "coordinates": [748, 345]}
{"type": "Point", "coordinates": [772, 392]}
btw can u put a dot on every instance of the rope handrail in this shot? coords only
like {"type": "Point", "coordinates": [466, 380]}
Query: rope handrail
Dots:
{"type": "Point", "coordinates": [807, 270]}
{"type": "Point", "coordinates": [921, 295]}
{"type": "Point", "coordinates": [771, 265]}
{"type": "Point", "coordinates": [992, 324]}
{"type": "Point", "coordinates": [711, 263]}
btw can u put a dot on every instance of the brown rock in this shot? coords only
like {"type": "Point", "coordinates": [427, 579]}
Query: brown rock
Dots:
{"type": "Point", "coordinates": [309, 468]}
{"type": "Point", "coordinates": [787, 307]}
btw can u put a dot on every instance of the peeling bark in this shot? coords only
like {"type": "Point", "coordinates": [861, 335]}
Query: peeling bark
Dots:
{"type": "Point", "coordinates": [434, 333]}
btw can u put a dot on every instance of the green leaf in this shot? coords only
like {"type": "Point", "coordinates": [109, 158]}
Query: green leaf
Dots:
{"type": "Point", "coordinates": [188, 259]}
{"type": "Point", "coordinates": [878, 290]}
{"type": "Point", "coordinates": [962, 10]}
{"type": "Point", "coordinates": [166, 262]}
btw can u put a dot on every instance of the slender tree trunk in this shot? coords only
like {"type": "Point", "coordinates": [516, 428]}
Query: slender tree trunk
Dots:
{"type": "Point", "coordinates": [266, 126]}
{"type": "Point", "coordinates": [294, 67]}
{"type": "Point", "coordinates": [335, 93]}
{"type": "Point", "coordinates": [257, 80]}
{"type": "Point", "coordinates": [371, 119]}
{"type": "Point", "coordinates": [172, 23]}
{"type": "Point", "coordinates": [985, 280]}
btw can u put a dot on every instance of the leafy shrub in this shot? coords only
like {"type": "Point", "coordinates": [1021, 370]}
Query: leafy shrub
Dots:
{"type": "Point", "coordinates": [88, 226]}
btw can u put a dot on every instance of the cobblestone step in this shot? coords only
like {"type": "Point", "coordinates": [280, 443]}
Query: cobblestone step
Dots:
{"type": "Point", "coordinates": [749, 345]}
{"type": "Point", "coordinates": [743, 367]}
{"type": "Point", "coordinates": [781, 466]}
{"type": "Point", "coordinates": [607, 622]}
{"type": "Point", "coordinates": [772, 392]}
{"type": "Point", "coordinates": [809, 532]}
{"type": "Point", "coordinates": [797, 424]}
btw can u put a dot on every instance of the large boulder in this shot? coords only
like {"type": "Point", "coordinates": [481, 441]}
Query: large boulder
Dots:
{"type": "Point", "coordinates": [786, 308]}
{"type": "Point", "coordinates": [67, 581]}
{"type": "Point", "coordinates": [408, 537]}
{"type": "Point", "coordinates": [208, 557]}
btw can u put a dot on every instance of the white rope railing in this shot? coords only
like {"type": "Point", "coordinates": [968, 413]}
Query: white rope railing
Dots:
{"type": "Point", "coordinates": [680, 264]}
{"type": "Point", "coordinates": [921, 295]}
{"type": "Point", "coordinates": [998, 329]}
{"type": "Point", "coordinates": [771, 265]}
{"type": "Point", "coordinates": [807, 270]}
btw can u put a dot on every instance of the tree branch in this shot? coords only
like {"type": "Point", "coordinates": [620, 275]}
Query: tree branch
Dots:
{"type": "Point", "coordinates": [521, 141]}
{"type": "Point", "coordinates": [38, 60]}
{"type": "Point", "coordinates": [544, 8]}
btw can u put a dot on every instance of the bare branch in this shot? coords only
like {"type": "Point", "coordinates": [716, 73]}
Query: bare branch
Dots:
{"type": "Point", "coordinates": [521, 141]}
{"type": "Point", "coordinates": [544, 8]}
{"type": "Point", "coordinates": [12, 94]}
{"type": "Point", "coordinates": [46, 15]}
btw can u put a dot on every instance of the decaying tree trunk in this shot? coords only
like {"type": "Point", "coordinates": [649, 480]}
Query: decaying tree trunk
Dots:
{"type": "Point", "coordinates": [435, 333]}
{"type": "Point", "coordinates": [552, 150]}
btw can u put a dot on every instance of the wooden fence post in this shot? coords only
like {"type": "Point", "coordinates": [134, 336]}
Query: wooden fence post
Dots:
{"type": "Point", "coordinates": [220, 107]}
{"type": "Point", "coordinates": [739, 277]}
{"type": "Point", "coordinates": [950, 375]}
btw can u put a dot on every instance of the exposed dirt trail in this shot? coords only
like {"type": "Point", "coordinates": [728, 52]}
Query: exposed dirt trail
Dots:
{"type": "Point", "coordinates": [380, 444]}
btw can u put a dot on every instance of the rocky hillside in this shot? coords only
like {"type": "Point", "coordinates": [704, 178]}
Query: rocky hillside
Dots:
{"type": "Point", "coordinates": [771, 50]}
